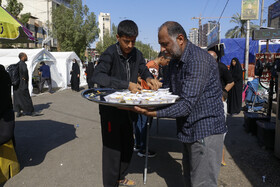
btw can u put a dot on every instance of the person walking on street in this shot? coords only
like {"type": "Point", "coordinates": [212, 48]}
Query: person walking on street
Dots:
{"type": "Point", "coordinates": [75, 76]}
{"type": "Point", "coordinates": [199, 113]}
{"type": "Point", "coordinates": [235, 94]}
{"type": "Point", "coordinates": [45, 73]}
{"type": "Point", "coordinates": [22, 101]}
{"type": "Point", "coordinates": [118, 68]}
{"type": "Point", "coordinates": [89, 72]}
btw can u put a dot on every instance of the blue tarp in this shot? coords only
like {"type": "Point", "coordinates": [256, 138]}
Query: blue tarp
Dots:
{"type": "Point", "coordinates": [235, 47]}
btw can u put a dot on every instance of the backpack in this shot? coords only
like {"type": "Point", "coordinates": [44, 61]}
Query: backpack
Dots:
{"type": "Point", "coordinates": [13, 71]}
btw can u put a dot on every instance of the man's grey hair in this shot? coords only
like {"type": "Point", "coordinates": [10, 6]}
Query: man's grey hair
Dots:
{"type": "Point", "coordinates": [173, 29]}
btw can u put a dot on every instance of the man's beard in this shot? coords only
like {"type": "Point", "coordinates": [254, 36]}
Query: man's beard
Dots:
{"type": "Point", "coordinates": [176, 51]}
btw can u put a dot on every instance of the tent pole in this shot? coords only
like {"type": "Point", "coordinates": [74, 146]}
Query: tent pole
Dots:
{"type": "Point", "coordinates": [247, 50]}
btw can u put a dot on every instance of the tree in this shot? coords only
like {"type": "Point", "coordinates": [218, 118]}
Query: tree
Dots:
{"type": "Point", "coordinates": [239, 31]}
{"type": "Point", "coordinates": [15, 7]}
{"type": "Point", "coordinates": [110, 39]}
{"type": "Point", "coordinates": [75, 28]}
{"type": "Point", "coordinates": [147, 50]}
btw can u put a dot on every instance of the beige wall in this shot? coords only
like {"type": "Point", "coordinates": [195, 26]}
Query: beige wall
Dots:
{"type": "Point", "coordinates": [104, 24]}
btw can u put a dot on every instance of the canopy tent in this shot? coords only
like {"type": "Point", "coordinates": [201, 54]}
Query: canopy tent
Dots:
{"type": "Point", "coordinates": [235, 47]}
{"type": "Point", "coordinates": [35, 56]}
{"type": "Point", "coordinates": [64, 66]}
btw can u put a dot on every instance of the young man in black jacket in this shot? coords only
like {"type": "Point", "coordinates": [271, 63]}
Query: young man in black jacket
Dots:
{"type": "Point", "coordinates": [118, 68]}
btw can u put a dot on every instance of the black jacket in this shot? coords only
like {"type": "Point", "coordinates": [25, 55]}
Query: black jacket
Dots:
{"type": "Point", "coordinates": [6, 105]}
{"type": "Point", "coordinates": [116, 71]}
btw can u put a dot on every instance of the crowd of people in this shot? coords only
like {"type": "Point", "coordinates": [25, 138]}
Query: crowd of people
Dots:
{"type": "Point", "coordinates": [208, 92]}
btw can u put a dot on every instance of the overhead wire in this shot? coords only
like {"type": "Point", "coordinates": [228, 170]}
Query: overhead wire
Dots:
{"type": "Point", "coordinates": [223, 11]}
{"type": "Point", "coordinates": [205, 6]}
{"type": "Point", "coordinates": [215, 7]}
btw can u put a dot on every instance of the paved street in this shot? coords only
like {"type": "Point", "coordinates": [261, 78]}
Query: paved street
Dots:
{"type": "Point", "coordinates": [63, 148]}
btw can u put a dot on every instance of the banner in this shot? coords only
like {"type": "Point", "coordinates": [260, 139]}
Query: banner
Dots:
{"type": "Point", "coordinates": [213, 36]}
{"type": "Point", "coordinates": [250, 9]}
{"type": "Point", "coordinates": [271, 42]}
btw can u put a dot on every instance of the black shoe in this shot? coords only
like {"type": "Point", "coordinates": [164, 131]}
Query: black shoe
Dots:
{"type": "Point", "coordinates": [36, 114]}
{"type": "Point", "coordinates": [33, 114]}
{"type": "Point", "coordinates": [142, 153]}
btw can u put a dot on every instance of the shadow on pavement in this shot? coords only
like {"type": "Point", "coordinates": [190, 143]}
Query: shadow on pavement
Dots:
{"type": "Point", "coordinates": [254, 161]}
{"type": "Point", "coordinates": [34, 139]}
{"type": "Point", "coordinates": [164, 164]}
{"type": "Point", "coordinates": [41, 107]}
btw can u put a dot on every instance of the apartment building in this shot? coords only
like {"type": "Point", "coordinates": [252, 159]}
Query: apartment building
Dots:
{"type": "Point", "coordinates": [41, 19]}
{"type": "Point", "coordinates": [104, 24]}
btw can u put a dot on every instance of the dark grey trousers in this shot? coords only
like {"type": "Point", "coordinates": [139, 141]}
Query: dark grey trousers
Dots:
{"type": "Point", "coordinates": [202, 161]}
{"type": "Point", "coordinates": [49, 82]}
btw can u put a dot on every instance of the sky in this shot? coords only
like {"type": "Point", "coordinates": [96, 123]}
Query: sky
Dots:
{"type": "Point", "coordinates": [150, 14]}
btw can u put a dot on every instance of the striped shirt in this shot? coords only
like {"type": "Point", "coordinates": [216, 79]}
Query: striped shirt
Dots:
{"type": "Point", "coordinates": [199, 112]}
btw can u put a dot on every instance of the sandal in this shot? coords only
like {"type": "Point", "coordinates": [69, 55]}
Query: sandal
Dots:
{"type": "Point", "coordinates": [127, 182]}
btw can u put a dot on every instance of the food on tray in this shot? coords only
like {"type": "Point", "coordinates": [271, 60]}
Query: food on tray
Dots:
{"type": "Point", "coordinates": [145, 97]}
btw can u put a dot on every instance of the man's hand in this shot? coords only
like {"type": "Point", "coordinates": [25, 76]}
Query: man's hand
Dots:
{"type": "Point", "coordinates": [154, 84]}
{"type": "Point", "coordinates": [134, 88]}
{"type": "Point", "coordinates": [140, 110]}
{"type": "Point", "coordinates": [144, 111]}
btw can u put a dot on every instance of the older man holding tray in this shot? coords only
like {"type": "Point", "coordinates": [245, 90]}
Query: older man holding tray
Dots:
{"type": "Point", "coordinates": [194, 76]}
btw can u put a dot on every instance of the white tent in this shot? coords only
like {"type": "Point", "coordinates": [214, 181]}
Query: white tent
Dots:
{"type": "Point", "coordinates": [64, 66]}
{"type": "Point", "coordinates": [35, 56]}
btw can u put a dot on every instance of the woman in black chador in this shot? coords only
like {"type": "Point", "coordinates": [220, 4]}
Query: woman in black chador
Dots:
{"type": "Point", "coordinates": [89, 72]}
{"type": "Point", "coordinates": [235, 94]}
{"type": "Point", "coordinates": [75, 78]}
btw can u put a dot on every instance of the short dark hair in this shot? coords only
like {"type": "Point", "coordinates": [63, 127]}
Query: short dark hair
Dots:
{"type": "Point", "coordinates": [127, 28]}
{"type": "Point", "coordinates": [42, 63]}
{"type": "Point", "coordinates": [173, 29]}
{"type": "Point", "coordinates": [21, 55]}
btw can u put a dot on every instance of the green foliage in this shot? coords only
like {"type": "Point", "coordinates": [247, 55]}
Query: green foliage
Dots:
{"type": "Point", "coordinates": [147, 50]}
{"type": "Point", "coordinates": [74, 28]}
{"type": "Point", "coordinates": [24, 18]}
{"type": "Point", "coordinates": [110, 39]}
{"type": "Point", "coordinates": [15, 8]}
{"type": "Point", "coordinates": [239, 31]}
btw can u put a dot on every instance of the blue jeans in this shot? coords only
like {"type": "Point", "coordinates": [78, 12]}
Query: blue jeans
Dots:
{"type": "Point", "coordinates": [140, 131]}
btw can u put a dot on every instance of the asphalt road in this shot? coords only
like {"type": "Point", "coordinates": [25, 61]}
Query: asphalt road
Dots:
{"type": "Point", "coordinates": [63, 148]}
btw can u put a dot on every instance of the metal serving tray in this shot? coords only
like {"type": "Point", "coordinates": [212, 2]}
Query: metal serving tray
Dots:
{"type": "Point", "coordinates": [97, 95]}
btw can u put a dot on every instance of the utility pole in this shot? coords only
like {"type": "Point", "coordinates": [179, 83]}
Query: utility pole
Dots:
{"type": "Point", "coordinates": [261, 22]}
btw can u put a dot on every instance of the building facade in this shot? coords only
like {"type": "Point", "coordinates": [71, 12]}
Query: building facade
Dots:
{"type": "Point", "coordinates": [41, 19]}
{"type": "Point", "coordinates": [104, 24]}
{"type": "Point", "coordinates": [274, 15]}
{"type": "Point", "coordinates": [205, 29]}
{"type": "Point", "coordinates": [193, 36]}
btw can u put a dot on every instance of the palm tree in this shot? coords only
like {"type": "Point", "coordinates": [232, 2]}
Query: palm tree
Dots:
{"type": "Point", "coordinates": [239, 31]}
